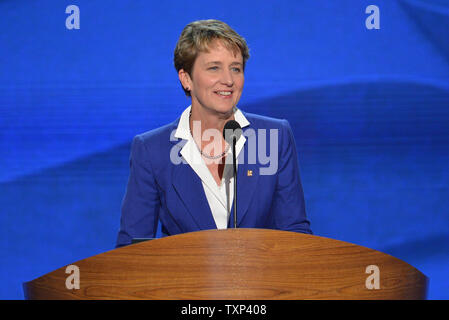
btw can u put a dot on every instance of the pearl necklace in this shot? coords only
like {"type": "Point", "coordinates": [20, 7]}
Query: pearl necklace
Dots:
{"type": "Point", "coordinates": [214, 157]}
{"type": "Point", "coordinates": [206, 155]}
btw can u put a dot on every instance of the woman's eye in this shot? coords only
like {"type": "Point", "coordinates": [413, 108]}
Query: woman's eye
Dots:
{"type": "Point", "coordinates": [213, 68]}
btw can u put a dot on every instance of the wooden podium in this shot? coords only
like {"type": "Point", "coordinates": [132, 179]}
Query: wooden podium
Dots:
{"type": "Point", "coordinates": [235, 264]}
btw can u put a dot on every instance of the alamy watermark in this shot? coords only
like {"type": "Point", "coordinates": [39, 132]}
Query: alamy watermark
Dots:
{"type": "Point", "coordinates": [373, 20]}
{"type": "Point", "coordinates": [73, 20]}
{"type": "Point", "coordinates": [73, 280]}
{"type": "Point", "coordinates": [373, 280]}
{"type": "Point", "coordinates": [258, 150]}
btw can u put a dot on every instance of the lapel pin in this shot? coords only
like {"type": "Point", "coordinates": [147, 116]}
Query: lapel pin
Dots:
{"type": "Point", "coordinates": [250, 173]}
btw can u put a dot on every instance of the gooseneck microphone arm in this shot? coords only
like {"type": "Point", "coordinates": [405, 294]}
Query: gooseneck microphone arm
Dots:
{"type": "Point", "coordinates": [231, 133]}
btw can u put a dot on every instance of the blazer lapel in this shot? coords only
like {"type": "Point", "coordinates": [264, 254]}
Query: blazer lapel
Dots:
{"type": "Point", "coordinates": [190, 190]}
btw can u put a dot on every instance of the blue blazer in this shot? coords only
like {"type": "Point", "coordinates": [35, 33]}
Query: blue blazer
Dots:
{"type": "Point", "coordinates": [173, 194]}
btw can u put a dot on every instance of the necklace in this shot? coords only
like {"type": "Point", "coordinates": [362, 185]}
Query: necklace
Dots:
{"type": "Point", "coordinates": [206, 155]}
{"type": "Point", "coordinates": [214, 157]}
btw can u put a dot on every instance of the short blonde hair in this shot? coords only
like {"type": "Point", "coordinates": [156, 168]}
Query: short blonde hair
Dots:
{"type": "Point", "coordinates": [197, 37]}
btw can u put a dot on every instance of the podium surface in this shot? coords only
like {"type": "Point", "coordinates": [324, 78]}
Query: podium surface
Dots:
{"type": "Point", "coordinates": [236, 264]}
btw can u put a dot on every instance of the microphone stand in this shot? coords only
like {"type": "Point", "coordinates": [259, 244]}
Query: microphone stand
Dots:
{"type": "Point", "coordinates": [234, 164]}
{"type": "Point", "coordinates": [234, 127]}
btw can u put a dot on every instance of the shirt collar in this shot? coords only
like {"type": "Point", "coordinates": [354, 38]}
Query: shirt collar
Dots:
{"type": "Point", "coordinates": [183, 129]}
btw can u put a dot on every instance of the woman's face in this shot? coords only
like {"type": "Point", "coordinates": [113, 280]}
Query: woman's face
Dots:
{"type": "Point", "coordinates": [217, 79]}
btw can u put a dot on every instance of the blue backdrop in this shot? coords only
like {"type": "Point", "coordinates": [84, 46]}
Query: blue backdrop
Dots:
{"type": "Point", "coordinates": [369, 110]}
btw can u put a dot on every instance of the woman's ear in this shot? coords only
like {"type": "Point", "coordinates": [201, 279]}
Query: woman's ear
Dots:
{"type": "Point", "coordinates": [185, 79]}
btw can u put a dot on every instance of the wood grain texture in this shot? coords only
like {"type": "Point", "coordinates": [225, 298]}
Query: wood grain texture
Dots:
{"type": "Point", "coordinates": [235, 264]}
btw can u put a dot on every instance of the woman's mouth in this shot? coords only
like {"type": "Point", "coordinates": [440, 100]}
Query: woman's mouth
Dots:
{"type": "Point", "coordinates": [224, 94]}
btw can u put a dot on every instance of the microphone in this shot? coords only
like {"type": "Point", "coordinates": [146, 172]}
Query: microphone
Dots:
{"type": "Point", "coordinates": [231, 133]}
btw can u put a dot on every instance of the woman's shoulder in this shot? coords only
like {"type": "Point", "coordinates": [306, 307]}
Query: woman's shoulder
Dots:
{"type": "Point", "coordinates": [155, 144]}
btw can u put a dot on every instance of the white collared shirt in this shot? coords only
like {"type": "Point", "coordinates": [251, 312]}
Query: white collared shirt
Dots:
{"type": "Point", "coordinates": [219, 197]}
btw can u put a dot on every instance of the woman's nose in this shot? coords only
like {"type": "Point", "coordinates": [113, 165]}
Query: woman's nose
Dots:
{"type": "Point", "coordinates": [227, 78]}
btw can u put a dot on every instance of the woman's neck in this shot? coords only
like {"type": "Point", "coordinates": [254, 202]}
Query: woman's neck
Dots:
{"type": "Point", "coordinates": [201, 120]}
{"type": "Point", "coordinates": [210, 119]}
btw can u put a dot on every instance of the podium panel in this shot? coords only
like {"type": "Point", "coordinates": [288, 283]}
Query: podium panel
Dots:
{"type": "Point", "coordinates": [237, 264]}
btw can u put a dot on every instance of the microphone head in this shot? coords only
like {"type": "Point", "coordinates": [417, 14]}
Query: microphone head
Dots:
{"type": "Point", "coordinates": [232, 129]}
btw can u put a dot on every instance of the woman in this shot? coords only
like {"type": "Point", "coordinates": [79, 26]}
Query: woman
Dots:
{"type": "Point", "coordinates": [181, 174]}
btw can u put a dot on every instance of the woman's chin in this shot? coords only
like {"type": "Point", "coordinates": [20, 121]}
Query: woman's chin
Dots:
{"type": "Point", "coordinates": [219, 109]}
{"type": "Point", "coordinates": [224, 108]}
